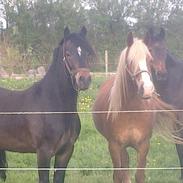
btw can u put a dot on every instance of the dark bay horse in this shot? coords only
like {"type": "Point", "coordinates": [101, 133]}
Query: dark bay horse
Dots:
{"type": "Point", "coordinates": [131, 89]}
{"type": "Point", "coordinates": [44, 134]}
{"type": "Point", "coordinates": [170, 86]}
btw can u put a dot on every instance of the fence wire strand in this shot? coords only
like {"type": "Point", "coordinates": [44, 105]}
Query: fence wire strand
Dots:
{"type": "Point", "coordinates": [86, 112]}
{"type": "Point", "coordinates": [90, 169]}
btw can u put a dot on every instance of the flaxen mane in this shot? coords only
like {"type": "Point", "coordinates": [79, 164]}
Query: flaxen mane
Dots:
{"type": "Point", "coordinates": [119, 92]}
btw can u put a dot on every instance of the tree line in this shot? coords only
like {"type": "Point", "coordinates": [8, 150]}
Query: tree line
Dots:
{"type": "Point", "coordinates": [34, 28]}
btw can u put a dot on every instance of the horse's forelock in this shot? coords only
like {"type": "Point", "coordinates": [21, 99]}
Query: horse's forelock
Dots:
{"type": "Point", "coordinates": [79, 41]}
{"type": "Point", "coordinates": [138, 51]}
{"type": "Point", "coordinates": [83, 42]}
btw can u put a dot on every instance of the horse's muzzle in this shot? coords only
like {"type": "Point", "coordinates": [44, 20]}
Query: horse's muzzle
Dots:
{"type": "Point", "coordinates": [146, 92]}
{"type": "Point", "coordinates": [161, 76]}
{"type": "Point", "coordinates": [83, 79]}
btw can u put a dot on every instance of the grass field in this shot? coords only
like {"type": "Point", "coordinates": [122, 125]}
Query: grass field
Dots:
{"type": "Point", "coordinates": [91, 151]}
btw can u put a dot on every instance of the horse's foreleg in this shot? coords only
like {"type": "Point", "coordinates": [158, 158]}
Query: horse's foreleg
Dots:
{"type": "Point", "coordinates": [125, 164]}
{"type": "Point", "coordinates": [142, 152]}
{"type": "Point", "coordinates": [61, 160]}
{"type": "Point", "coordinates": [43, 160]}
{"type": "Point", "coordinates": [115, 152]}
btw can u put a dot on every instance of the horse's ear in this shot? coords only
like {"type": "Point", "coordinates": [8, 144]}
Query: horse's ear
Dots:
{"type": "Point", "coordinates": [66, 32]}
{"type": "Point", "coordinates": [149, 36]}
{"type": "Point", "coordinates": [83, 31]}
{"type": "Point", "coordinates": [130, 39]}
{"type": "Point", "coordinates": [162, 33]}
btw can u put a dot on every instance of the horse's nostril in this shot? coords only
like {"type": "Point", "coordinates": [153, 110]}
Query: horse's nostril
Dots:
{"type": "Point", "coordinates": [141, 90]}
{"type": "Point", "coordinates": [162, 76]}
{"type": "Point", "coordinates": [85, 79]}
{"type": "Point", "coordinates": [82, 78]}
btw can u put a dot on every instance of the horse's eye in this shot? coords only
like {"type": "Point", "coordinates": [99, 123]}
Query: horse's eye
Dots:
{"type": "Point", "coordinates": [150, 50]}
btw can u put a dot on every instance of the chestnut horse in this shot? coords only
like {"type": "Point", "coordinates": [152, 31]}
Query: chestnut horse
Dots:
{"type": "Point", "coordinates": [130, 90]}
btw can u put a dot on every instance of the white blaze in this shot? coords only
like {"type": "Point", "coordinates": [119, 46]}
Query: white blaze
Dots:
{"type": "Point", "coordinates": [145, 75]}
{"type": "Point", "coordinates": [79, 51]}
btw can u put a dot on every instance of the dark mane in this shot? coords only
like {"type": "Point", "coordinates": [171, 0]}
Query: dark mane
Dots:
{"type": "Point", "coordinates": [173, 58]}
{"type": "Point", "coordinates": [55, 54]}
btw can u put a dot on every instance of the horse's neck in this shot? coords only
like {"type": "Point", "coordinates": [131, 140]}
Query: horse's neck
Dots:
{"type": "Point", "coordinates": [58, 82]}
{"type": "Point", "coordinates": [134, 101]}
{"type": "Point", "coordinates": [132, 93]}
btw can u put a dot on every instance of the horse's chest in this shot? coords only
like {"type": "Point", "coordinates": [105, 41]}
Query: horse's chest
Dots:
{"type": "Point", "coordinates": [73, 128]}
{"type": "Point", "coordinates": [134, 136]}
{"type": "Point", "coordinates": [70, 132]}
{"type": "Point", "coordinates": [133, 129]}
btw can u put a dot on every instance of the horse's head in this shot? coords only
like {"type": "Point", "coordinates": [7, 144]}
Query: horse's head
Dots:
{"type": "Point", "coordinates": [138, 60]}
{"type": "Point", "coordinates": [76, 53]}
{"type": "Point", "coordinates": [157, 47]}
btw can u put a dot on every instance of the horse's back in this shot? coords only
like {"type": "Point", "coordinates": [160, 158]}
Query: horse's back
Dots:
{"type": "Point", "coordinates": [22, 132]}
{"type": "Point", "coordinates": [31, 99]}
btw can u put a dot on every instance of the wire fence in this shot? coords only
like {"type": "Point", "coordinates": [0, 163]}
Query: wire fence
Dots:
{"type": "Point", "coordinates": [87, 168]}
{"type": "Point", "coordinates": [96, 74]}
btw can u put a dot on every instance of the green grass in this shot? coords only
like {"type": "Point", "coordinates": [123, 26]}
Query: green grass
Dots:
{"type": "Point", "coordinates": [91, 150]}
